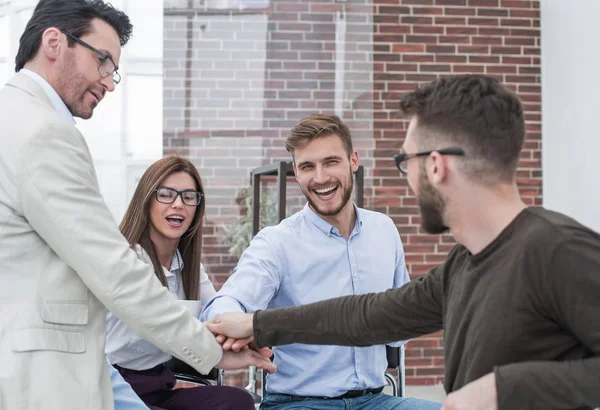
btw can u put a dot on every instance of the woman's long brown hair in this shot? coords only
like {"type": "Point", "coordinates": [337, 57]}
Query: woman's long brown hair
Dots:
{"type": "Point", "coordinates": [135, 225]}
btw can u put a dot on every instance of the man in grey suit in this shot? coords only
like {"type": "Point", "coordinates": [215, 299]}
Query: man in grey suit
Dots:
{"type": "Point", "coordinates": [62, 258]}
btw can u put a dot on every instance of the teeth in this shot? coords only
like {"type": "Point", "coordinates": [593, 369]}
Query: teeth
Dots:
{"type": "Point", "coordinates": [324, 190]}
{"type": "Point", "coordinates": [175, 217]}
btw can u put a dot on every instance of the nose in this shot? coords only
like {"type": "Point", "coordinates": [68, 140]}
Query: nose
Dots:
{"type": "Point", "coordinates": [108, 83]}
{"type": "Point", "coordinates": [320, 175]}
{"type": "Point", "coordinates": [178, 203]}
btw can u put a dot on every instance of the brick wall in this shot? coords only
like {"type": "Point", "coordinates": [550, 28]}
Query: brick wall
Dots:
{"type": "Point", "coordinates": [236, 81]}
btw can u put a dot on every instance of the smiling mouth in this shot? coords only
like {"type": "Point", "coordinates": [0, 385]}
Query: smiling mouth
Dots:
{"type": "Point", "coordinates": [175, 221]}
{"type": "Point", "coordinates": [96, 97]}
{"type": "Point", "coordinates": [326, 193]}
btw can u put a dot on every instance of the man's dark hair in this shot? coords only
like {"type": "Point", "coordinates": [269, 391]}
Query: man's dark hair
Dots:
{"type": "Point", "coordinates": [473, 112]}
{"type": "Point", "coordinates": [72, 16]}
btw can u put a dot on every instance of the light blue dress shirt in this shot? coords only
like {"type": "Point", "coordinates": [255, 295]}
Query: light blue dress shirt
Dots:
{"type": "Point", "coordinates": [303, 260]}
{"type": "Point", "coordinates": [124, 396]}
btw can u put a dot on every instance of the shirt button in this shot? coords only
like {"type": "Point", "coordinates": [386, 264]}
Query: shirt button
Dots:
{"type": "Point", "coordinates": [186, 351]}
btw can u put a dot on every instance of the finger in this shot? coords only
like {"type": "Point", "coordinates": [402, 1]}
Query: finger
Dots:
{"type": "Point", "coordinates": [268, 365]}
{"type": "Point", "coordinates": [221, 339]}
{"type": "Point", "coordinates": [229, 343]}
{"type": "Point", "coordinates": [265, 352]}
{"type": "Point", "coordinates": [237, 346]}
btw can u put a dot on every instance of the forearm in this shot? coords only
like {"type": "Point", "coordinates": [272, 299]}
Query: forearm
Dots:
{"type": "Point", "coordinates": [218, 305]}
{"type": "Point", "coordinates": [549, 385]}
{"type": "Point", "coordinates": [362, 320]}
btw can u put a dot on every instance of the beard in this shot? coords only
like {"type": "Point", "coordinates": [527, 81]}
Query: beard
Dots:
{"type": "Point", "coordinates": [72, 87]}
{"type": "Point", "coordinates": [346, 193]}
{"type": "Point", "coordinates": [432, 206]}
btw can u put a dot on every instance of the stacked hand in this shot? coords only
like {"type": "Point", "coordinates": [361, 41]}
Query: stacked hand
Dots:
{"type": "Point", "coordinates": [247, 357]}
{"type": "Point", "coordinates": [234, 332]}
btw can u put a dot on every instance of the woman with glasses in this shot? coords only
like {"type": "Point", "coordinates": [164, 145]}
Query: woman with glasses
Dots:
{"type": "Point", "coordinates": [163, 224]}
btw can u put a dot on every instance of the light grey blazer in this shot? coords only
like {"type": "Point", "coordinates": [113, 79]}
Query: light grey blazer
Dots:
{"type": "Point", "coordinates": [62, 261]}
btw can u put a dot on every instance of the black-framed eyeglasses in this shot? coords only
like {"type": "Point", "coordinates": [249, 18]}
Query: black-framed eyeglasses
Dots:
{"type": "Point", "coordinates": [402, 157]}
{"type": "Point", "coordinates": [169, 195]}
{"type": "Point", "coordinates": [107, 65]}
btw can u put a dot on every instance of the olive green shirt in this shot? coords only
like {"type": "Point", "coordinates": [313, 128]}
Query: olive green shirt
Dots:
{"type": "Point", "coordinates": [527, 307]}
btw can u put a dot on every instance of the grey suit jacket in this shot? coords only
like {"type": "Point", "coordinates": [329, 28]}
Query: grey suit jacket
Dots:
{"type": "Point", "coordinates": [62, 261]}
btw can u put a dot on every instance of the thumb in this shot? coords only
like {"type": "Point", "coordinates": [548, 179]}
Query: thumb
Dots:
{"type": "Point", "coordinates": [215, 327]}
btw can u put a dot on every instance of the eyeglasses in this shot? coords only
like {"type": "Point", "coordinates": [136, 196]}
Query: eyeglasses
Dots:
{"type": "Point", "coordinates": [169, 195]}
{"type": "Point", "coordinates": [107, 66]}
{"type": "Point", "coordinates": [402, 157]}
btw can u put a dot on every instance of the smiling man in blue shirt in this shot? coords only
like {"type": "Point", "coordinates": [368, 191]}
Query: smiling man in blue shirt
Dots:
{"type": "Point", "coordinates": [330, 248]}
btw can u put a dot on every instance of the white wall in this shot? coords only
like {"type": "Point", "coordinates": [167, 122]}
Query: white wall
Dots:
{"type": "Point", "coordinates": [125, 132]}
{"type": "Point", "coordinates": [571, 108]}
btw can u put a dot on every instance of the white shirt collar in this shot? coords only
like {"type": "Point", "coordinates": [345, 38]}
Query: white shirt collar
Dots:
{"type": "Point", "coordinates": [57, 103]}
{"type": "Point", "coordinates": [176, 264]}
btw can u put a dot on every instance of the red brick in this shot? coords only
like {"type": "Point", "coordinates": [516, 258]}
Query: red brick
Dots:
{"type": "Point", "coordinates": [479, 21]}
{"type": "Point", "coordinates": [408, 48]}
{"type": "Point", "coordinates": [461, 30]}
{"type": "Point", "coordinates": [468, 11]}
{"type": "Point", "coordinates": [519, 41]}
{"type": "Point", "coordinates": [516, 22]}
{"type": "Point", "coordinates": [428, 11]}
{"type": "Point", "coordinates": [450, 2]}
{"type": "Point", "coordinates": [492, 12]}
{"type": "Point", "coordinates": [428, 30]}
{"type": "Point", "coordinates": [459, 21]}
{"type": "Point", "coordinates": [487, 40]}
{"type": "Point", "coordinates": [524, 13]}
{"type": "Point", "coordinates": [516, 4]}
{"type": "Point", "coordinates": [450, 58]}
{"type": "Point", "coordinates": [483, 3]}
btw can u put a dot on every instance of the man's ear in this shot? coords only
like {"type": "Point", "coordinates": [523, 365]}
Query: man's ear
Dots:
{"type": "Point", "coordinates": [437, 168]}
{"type": "Point", "coordinates": [52, 43]}
{"type": "Point", "coordinates": [354, 161]}
{"type": "Point", "coordinates": [295, 169]}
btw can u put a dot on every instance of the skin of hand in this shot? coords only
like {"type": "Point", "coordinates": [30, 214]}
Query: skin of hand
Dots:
{"type": "Point", "coordinates": [480, 394]}
{"type": "Point", "coordinates": [234, 330]}
{"type": "Point", "coordinates": [247, 357]}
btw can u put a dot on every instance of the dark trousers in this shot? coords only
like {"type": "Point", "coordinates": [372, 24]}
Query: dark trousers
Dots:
{"type": "Point", "coordinates": [156, 388]}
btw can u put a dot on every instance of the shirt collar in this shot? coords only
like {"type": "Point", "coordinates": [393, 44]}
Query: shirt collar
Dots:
{"type": "Point", "coordinates": [176, 264]}
{"type": "Point", "coordinates": [57, 103]}
{"type": "Point", "coordinates": [325, 226]}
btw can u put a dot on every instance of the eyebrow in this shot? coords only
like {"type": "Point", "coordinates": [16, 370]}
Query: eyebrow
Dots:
{"type": "Point", "coordinates": [304, 163]}
{"type": "Point", "coordinates": [105, 52]}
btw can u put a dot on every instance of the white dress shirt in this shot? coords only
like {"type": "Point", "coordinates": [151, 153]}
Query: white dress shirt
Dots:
{"type": "Point", "coordinates": [125, 348]}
